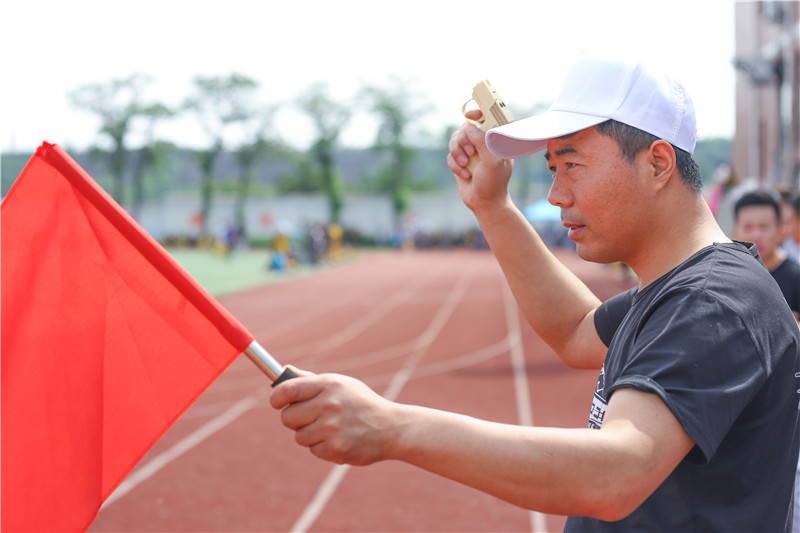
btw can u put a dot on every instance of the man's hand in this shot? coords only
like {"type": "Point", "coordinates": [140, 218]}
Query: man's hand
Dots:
{"type": "Point", "coordinates": [338, 418]}
{"type": "Point", "coordinates": [487, 185]}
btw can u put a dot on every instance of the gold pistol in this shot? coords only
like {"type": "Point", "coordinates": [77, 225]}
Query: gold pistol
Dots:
{"type": "Point", "coordinates": [493, 110]}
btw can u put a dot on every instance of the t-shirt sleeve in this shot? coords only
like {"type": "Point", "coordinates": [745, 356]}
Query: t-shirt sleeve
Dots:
{"type": "Point", "coordinates": [697, 355]}
{"type": "Point", "coordinates": [609, 315]}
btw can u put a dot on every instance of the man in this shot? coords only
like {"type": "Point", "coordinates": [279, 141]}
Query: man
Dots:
{"type": "Point", "coordinates": [757, 217]}
{"type": "Point", "coordinates": [790, 209]}
{"type": "Point", "coordinates": [696, 386]}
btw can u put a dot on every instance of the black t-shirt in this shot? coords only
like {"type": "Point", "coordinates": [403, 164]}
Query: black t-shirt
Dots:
{"type": "Point", "coordinates": [788, 277]}
{"type": "Point", "coordinates": [715, 341]}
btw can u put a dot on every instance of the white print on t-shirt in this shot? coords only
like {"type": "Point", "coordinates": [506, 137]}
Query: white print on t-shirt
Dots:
{"type": "Point", "coordinates": [599, 403]}
{"type": "Point", "coordinates": [597, 413]}
{"type": "Point", "coordinates": [797, 375]}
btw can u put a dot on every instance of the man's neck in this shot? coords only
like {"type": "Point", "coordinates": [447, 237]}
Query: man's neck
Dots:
{"type": "Point", "coordinates": [686, 232]}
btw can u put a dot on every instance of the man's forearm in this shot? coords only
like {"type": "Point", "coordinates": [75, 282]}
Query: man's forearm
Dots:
{"type": "Point", "coordinates": [551, 470]}
{"type": "Point", "coordinates": [553, 299]}
{"type": "Point", "coordinates": [604, 473]}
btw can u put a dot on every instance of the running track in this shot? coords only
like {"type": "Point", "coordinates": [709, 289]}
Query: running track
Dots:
{"type": "Point", "coordinates": [434, 328]}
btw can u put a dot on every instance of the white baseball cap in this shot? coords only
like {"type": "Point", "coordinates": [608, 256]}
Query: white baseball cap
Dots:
{"type": "Point", "coordinates": [598, 88]}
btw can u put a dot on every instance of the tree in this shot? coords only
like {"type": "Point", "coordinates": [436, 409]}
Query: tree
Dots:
{"type": "Point", "coordinates": [529, 171]}
{"type": "Point", "coordinates": [151, 153]}
{"type": "Point", "coordinates": [396, 108]}
{"type": "Point", "coordinates": [710, 153]}
{"type": "Point", "coordinates": [304, 178]}
{"type": "Point", "coordinates": [116, 103]}
{"type": "Point", "coordinates": [256, 146]}
{"type": "Point", "coordinates": [217, 102]}
{"type": "Point", "coordinates": [329, 118]}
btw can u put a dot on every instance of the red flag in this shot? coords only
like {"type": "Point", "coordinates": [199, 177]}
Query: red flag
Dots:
{"type": "Point", "coordinates": [105, 342]}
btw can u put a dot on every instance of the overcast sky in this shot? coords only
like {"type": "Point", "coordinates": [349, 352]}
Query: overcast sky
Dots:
{"type": "Point", "coordinates": [440, 47]}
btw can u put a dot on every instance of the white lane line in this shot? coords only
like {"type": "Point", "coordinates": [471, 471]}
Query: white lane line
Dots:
{"type": "Point", "coordinates": [184, 445]}
{"type": "Point", "coordinates": [308, 312]}
{"type": "Point", "coordinates": [320, 499]}
{"type": "Point", "coordinates": [329, 485]}
{"type": "Point", "coordinates": [425, 340]}
{"type": "Point", "coordinates": [320, 349]}
{"type": "Point", "coordinates": [449, 364]}
{"type": "Point", "coordinates": [524, 410]}
{"type": "Point", "coordinates": [387, 353]}
{"type": "Point", "coordinates": [158, 462]}
{"type": "Point", "coordinates": [337, 473]}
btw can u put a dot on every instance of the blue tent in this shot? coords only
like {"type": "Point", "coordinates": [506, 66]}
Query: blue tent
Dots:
{"type": "Point", "coordinates": [542, 211]}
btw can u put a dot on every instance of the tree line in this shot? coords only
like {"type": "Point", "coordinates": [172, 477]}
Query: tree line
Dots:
{"type": "Point", "coordinates": [228, 112]}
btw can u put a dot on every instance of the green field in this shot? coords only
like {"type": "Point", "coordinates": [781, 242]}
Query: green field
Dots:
{"type": "Point", "coordinates": [223, 274]}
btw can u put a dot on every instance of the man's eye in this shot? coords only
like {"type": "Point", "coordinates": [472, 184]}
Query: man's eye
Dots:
{"type": "Point", "coordinates": [565, 166]}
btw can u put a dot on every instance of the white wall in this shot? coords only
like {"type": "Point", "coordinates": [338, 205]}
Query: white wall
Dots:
{"type": "Point", "coordinates": [369, 215]}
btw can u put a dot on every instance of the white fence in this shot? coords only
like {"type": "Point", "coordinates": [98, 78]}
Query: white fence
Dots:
{"type": "Point", "coordinates": [369, 215]}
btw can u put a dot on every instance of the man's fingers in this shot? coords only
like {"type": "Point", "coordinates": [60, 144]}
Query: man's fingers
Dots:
{"type": "Point", "coordinates": [308, 436]}
{"type": "Point", "coordinates": [322, 450]}
{"type": "Point", "coordinates": [299, 372]}
{"type": "Point", "coordinates": [298, 415]}
{"type": "Point", "coordinates": [338, 417]}
{"type": "Point", "coordinates": [304, 387]}
{"type": "Point", "coordinates": [474, 114]}
{"type": "Point", "coordinates": [457, 152]}
{"type": "Point", "coordinates": [458, 170]}
{"type": "Point", "coordinates": [468, 135]}
{"type": "Point", "coordinates": [463, 148]}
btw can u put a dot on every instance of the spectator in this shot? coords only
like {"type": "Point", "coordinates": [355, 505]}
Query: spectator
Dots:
{"type": "Point", "coordinates": [790, 214]}
{"type": "Point", "coordinates": [758, 220]}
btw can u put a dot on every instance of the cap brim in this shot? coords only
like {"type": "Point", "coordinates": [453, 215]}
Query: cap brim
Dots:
{"type": "Point", "coordinates": [529, 135]}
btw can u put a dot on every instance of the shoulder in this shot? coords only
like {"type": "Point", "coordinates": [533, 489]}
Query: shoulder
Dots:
{"type": "Point", "coordinates": [722, 295]}
{"type": "Point", "coordinates": [726, 283]}
{"type": "Point", "coordinates": [789, 267]}
{"type": "Point", "coordinates": [732, 272]}
{"type": "Point", "coordinates": [610, 314]}
{"type": "Point", "coordinates": [717, 260]}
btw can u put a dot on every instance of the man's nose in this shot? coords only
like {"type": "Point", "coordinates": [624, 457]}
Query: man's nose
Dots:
{"type": "Point", "coordinates": [559, 195]}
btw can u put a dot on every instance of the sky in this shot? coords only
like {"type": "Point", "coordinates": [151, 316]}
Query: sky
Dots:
{"type": "Point", "coordinates": [438, 48]}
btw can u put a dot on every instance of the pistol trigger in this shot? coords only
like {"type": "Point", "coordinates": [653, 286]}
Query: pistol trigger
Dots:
{"type": "Point", "coordinates": [464, 107]}
{"type": "Point", "coordinates": [477, 124]}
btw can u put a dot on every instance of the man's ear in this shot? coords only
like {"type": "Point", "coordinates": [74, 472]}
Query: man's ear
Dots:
{"type": "Point", "coordinates": [663, 162]}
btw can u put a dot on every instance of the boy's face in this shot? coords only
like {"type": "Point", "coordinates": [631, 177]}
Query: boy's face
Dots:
{"type": "Point", "coordinates": [759, 224]}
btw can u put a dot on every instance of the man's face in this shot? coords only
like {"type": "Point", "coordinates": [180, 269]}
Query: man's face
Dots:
{"type": "Point", "coordinates": [759, 224]}
{"type": "Point", "coordinates": [603, 198]}
{"type": "Point", "coordinates": [792, 223]}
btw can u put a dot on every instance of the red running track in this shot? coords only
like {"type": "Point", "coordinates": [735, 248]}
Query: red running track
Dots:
{"type": "Point", "coordinates": [433, 328]}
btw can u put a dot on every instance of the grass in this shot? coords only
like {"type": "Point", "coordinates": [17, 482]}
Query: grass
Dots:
{"type": "Point", "coordinates": [223, 274]}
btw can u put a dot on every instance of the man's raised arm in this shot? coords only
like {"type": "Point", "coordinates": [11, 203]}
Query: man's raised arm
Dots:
{"type": "Point", "coordinates": [554, 301]}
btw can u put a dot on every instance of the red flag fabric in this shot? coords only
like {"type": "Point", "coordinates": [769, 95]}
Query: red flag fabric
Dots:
{"type": "Point", "coordinates": [105, 341]}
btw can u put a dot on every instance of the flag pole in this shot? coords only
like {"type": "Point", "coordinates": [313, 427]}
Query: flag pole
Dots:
{"type": "Point", "coordinates": [263, 360]}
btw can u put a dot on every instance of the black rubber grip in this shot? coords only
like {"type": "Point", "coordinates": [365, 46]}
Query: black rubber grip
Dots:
{"type": "Point", "coordinates": [286, 374]}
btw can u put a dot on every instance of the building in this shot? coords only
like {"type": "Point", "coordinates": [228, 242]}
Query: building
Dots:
{"type": "Point", "coordinates": [766, 145]}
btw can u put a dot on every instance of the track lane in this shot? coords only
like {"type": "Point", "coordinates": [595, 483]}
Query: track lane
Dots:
{"type": "Point", "coordinates": [250, 476]}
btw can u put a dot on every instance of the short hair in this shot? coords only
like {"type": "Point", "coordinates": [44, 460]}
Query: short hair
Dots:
{"type": "Point", "coordinates": [632, 140]}
{"type": "Point", "coordinates": [758, 198]}
{"type": "Point", "coordinates": [791, 197]}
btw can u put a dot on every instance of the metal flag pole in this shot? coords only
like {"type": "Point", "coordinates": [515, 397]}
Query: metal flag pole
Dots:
{"type": "Point", "coordinates": [263, 360]}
